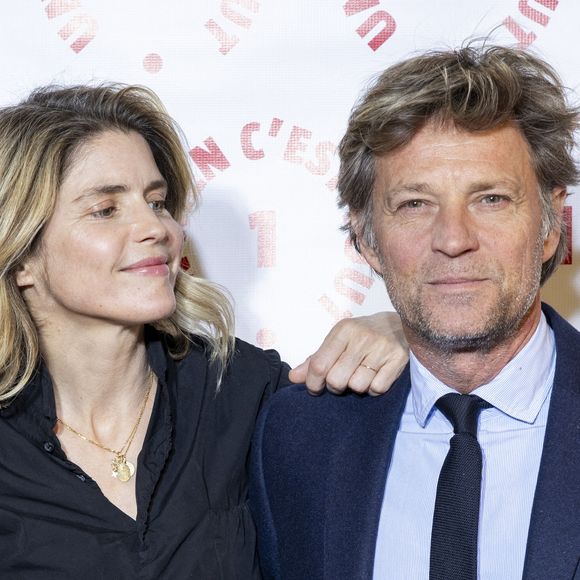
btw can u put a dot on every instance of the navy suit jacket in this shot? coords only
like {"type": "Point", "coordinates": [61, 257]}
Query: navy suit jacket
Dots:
{"type": "Point", "coordinates": [319, 468]}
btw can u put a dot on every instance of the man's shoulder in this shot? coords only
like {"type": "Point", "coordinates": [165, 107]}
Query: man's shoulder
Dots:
{"type": "Point", "coordinates": [561, 327]}
{"type": "Point", "coordinates": [295, 405]}
{"type": "Point", "coordinates": [567, 337]}
{"type": "Point", "coordinates": [297, 399]}
{"type": "Point", "coordinates": [294, 408]}
{"type": "Point", "coordinates": [567, 348]}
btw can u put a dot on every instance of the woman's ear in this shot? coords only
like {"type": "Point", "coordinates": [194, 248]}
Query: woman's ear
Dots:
{"type": "Point", "coordinates": [24, 275]}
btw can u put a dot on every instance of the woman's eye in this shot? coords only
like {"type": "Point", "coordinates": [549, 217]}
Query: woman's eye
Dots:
{"type": "Point", "coordinates": [157, 205]}
{"type": "Point", "coordinates": [104, 213]}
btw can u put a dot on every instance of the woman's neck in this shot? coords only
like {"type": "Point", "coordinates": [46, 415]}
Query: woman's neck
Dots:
{"type": "Point", "coordinates": [100, 375]}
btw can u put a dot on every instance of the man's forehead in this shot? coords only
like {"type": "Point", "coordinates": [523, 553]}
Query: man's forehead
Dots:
{"type": "Point", "coordinates": [484, 159]}
{"type": "Point", "coordinates": [446, 134]}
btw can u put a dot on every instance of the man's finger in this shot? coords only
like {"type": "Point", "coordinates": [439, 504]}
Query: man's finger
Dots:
{"type": "Point", "coordinates": [385, 378]}
{"type": "Point", "coordinates": [298, 373]}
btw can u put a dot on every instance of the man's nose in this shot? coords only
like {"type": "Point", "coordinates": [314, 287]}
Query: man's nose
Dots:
{"type": "Point", "coordinates": [454, 231]}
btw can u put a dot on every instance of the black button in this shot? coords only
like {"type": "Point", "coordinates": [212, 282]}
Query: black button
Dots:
{"type": "Point", "coordinates": [80, 476]}
{"type": "Point", "coordinates": [48, 446]}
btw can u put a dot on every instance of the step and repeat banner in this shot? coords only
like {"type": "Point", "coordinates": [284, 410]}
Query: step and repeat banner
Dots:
{"type": "Point", "coordinates": [262, 90]}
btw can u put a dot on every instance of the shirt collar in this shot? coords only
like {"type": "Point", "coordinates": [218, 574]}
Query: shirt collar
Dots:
{"type": "Point", "coordinates": [519, 390]}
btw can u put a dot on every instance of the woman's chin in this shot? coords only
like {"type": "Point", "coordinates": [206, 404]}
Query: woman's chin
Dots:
{"type": "Point", "coordinates": [153, 315]}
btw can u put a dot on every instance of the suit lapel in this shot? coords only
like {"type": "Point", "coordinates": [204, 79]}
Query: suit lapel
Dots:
{"type": "Point", "coordinates": [554, 536]}
{"type": "Point", "coordinates": [361, 456]}
{"type": "Point", "coordinates": [360, 460]}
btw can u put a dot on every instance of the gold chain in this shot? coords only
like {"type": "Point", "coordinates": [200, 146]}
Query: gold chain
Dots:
{"type": "Point", "coordinates": [122, 469]}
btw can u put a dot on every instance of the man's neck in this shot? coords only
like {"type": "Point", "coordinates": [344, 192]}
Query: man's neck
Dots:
{"type": "Point", "coordinates": [465, 371]}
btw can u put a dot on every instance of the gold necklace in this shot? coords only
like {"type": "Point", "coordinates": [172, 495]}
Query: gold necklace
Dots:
{"type": "Point", "coordinates": [122, 469]}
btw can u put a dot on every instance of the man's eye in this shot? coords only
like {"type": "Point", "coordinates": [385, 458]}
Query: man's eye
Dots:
{"type": "Point", "coordinates": [413, 204]}
{"type": "Point", "coordinates": [493, 199]}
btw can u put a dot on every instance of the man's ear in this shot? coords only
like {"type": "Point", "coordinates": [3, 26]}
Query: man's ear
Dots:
{"type": "Point", "coordinates": [371, 256]}
{"type": "Point", "coordinates": [552, 238]}
{"type": "Point", "coordinates": [368, 252]}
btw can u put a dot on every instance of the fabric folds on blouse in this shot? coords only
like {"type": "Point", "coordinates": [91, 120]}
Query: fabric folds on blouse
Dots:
{"type": "Point", "coordinates": [192, 520]}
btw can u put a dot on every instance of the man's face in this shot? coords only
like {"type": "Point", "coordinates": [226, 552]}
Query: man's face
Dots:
{"type": "Point", "coordinates": [458, 227]}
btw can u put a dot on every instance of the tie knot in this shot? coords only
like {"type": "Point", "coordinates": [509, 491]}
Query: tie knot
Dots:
{"type": "Point", "coordinates": [462, 410]}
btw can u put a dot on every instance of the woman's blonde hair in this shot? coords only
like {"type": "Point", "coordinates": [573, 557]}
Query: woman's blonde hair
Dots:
{"type": "Point", "coordinates": [38, 138]}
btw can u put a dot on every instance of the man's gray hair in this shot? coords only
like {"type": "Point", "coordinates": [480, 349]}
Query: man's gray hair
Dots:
{"type": "Point", "coordinates": [472, 88]}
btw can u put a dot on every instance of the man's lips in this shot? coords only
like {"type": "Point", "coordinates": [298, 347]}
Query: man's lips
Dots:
{"type": "Point", "coordinates": [456, 280]}
{"type": "Point", "coordinates": [155, 266]}
{"type": "Point", "coordinates": [456, 283]}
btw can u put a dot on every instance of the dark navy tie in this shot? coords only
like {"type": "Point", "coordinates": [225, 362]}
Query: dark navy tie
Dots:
{"type": "Point", "coordinates": [456, 516]}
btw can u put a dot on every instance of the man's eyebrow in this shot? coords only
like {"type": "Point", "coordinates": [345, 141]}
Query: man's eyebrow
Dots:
{"type": "Point", "coordinates": [476, 186]}
{"type": "Point", "coordinates": [406, 188]}
{"type": "Point", "coordinates": [487, 185]}
{"type": "Point", "coordinates": [115, 188]}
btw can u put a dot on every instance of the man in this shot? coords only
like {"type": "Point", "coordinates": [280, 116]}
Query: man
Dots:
{"type": "Point", "coordinates": [454, 169]}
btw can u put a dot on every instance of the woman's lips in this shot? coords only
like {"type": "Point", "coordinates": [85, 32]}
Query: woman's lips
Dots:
{"type": "Point", "coordinates": [156, 266]}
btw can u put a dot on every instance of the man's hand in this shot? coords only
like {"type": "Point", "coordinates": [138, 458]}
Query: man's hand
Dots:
{"type": "Point", "coordinates": [365, 354]}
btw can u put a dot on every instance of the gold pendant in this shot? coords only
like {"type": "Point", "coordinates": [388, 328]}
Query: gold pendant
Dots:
{"type": "Point", "coordinates": [123, 470]}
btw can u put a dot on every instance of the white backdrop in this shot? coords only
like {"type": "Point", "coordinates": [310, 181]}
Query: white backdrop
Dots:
{"type": "Point", "coordinates": [262, 91]}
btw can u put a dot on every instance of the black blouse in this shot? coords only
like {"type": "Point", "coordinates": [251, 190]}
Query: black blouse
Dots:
{"type": "Point", "coordinates": [192, 517]}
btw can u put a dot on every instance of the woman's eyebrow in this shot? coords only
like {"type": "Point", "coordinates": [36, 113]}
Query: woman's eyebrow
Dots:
{"type": "Point", "coordinates": [109, 189]}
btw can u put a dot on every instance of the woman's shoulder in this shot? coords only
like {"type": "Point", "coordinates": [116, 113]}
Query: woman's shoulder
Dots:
{"type": "Point", "coordinates": [248, 366]}
{"type": "Point", "coordinates": [249, 353]}
{"type": "Point", "coordinates": [251, 362]}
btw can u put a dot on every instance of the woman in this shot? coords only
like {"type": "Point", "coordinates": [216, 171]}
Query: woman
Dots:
{"type": "Point", "coordinates": [127, 406]}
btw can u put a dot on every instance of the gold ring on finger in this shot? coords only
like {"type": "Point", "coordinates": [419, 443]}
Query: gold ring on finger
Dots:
{"type": "Point", "coordinates": [368, 367]}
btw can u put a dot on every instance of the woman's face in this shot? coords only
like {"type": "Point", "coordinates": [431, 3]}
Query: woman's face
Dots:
{"type": "Point", "coordinates": [111, 251]}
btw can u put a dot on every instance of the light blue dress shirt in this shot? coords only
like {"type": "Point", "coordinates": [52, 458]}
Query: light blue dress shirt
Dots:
{"type": "Point", "coordinates": [511, 435]}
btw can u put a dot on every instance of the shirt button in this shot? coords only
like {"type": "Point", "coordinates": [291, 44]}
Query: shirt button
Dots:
{"type": "Point", "coordinates": [48, 446]}
{"type": "Point", "coordinates": [80, 476]}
